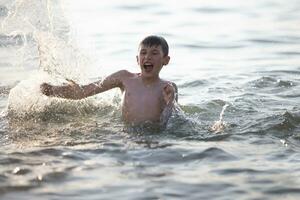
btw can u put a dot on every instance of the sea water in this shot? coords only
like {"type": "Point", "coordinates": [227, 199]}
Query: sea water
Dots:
{"type": "Point", "coordinates": [236, 65]}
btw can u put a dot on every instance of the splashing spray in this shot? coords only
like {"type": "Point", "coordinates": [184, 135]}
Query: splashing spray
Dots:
{"type": "Point", "coordinates": [219, 125]}
{"type": "Point", "coordinates": [48, 49]}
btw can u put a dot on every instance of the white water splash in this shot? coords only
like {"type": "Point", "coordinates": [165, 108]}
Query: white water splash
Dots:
{"type": "Point", "coordinates": [220, 125]}
{"type": "Point", "coordinates": [25, 16]}
{"type": "Point", "coordinates": [47, 44]}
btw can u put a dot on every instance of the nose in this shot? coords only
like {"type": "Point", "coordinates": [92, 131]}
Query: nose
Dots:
{"type": "Point", "coordinates": [148, 56]}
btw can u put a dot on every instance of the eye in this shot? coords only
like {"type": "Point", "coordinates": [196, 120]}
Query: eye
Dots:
{"type": "Point", "coordinates": [142, 53]}
{"type": "Point", "coordinates": [154, 52]}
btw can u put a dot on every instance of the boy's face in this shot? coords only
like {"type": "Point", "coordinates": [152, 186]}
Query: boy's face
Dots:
{"type": "Point", "coordinates": [151, 60]}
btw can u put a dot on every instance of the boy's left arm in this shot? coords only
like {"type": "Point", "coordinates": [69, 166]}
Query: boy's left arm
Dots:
{"type": "Point", "coordinates": [170, 96]}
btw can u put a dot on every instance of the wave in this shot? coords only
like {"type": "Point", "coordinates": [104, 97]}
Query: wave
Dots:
{"type": "Point", "coordinates": [289, 53]}
{"type": "Point", "coordinates": [280, 125]}
{"type": "Point", "coordinates": [280, 72]}
{"type": "Point", "coordinates": [50, 121]}
{"type": "Point", "coordinates": [11, 40]}
{"type": "Point", "coordinates": [287, 121]}
{"type": "Point", "coordinates": [3, 11]}
{"type": "Point", "coordinates": [4, 90]}
{"type": "Point", "coordinates": [213, 10]}
{"type": "Point", "coordinates": [211, 46]}
{"type": "Point", "coordinates": [271, 82]}
{"type": "Point", "coordinates": [178, 156]}
{"type": "Point", "coordinates": [295, 94]}
{"type": "Point", "coordinates": [193, 84]}
{"type": "Point", "coordinates": [271, 41]}
{"type": "Point", "coordinates": [205, 122]}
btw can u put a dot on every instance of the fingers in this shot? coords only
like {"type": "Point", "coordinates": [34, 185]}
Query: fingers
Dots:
{"type": "Point", "coordinates": [71, 81]}
{"type": "Point", "coordinates": [168, 88]}
{"type": "Point", "coordinates": [168, 93]}
{"type": "Point", "coordinates": [46, 89]}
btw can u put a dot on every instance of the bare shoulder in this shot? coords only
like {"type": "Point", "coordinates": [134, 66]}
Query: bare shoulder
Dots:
{"type": "Point", "coordinates": [124, 74]}
{"type": "Point", "coordinates": [166, 82]}
{"type": "Point", "coordinates": [116, 79]}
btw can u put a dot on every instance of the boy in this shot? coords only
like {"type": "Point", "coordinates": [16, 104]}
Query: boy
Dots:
{"type": "Point", "coordinates": [146, 97]}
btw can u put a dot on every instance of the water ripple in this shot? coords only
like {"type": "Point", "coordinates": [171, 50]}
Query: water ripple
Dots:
{"type": "Point", "coordinates": [211, 46]}
{"type": "Point", "coordinates": [8, 161]}
{"type": "Point", "coordinates": [289, 53]}
{"type": "Point", "coordinates": [280, 125]}
{"type": "Point", "coordinates": [56, 176]}
{"type": "Point", "coordinates": [192, 84]}
{"type": "Point", "coordinates": [271, 41]}
{"type": "Point", "coordinates": [234, 171]}
{"type": "Point", "coordinates": [268, 81]}
{"type": "Point", "coordinates": [136, 7]}
{"type": "Point", "coordinates": [283, 190]}
{"type": "Point", "coordinates": [4, 90]}
{"type": "Point", "coordinates": [15, 40]}
{"type": "Point", "coordinates": [46, 151]}
{"type": "Point", "coordinates": [3, 11]}
{"type": "Point", "coordinates": [212, 10]}
{"type": "Point", "coordinates": [280, 72]}
{"type": "Point", "coordinates": [211, 154]}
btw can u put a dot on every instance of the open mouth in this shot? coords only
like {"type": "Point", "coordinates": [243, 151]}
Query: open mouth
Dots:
{"type": "Point", "coordinates": [148, 67]}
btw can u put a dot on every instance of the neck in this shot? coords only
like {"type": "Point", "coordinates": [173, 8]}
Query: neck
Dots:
{"type": "Point", "coordinates": [149, 80]}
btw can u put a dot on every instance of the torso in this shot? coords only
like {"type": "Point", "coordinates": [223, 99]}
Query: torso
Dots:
{"type": "Point", "coordinates": [142, 103]}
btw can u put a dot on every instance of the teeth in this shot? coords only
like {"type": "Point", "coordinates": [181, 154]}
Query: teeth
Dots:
{"type": "Point", "coordinates": [148, 67]}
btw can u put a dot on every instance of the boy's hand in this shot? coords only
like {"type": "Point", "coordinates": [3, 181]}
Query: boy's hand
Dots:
{"type": "Point", "coordinates": [168, 93]}
{"type": "Point", "coordinates": [46, 89]}
{"type": "Point", "coordinates": [69, 91]}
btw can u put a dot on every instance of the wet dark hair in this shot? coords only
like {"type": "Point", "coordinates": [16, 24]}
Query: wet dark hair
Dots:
{"type": "Point", "coordinates": [154, 40]}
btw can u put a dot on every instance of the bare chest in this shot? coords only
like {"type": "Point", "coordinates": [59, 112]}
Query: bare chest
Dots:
{"type": "Point", "coordinates": [141, 103]}
{"type": "Point", "coordinates": [143, 99]}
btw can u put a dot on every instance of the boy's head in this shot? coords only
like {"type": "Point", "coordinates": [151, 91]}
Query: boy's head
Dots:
{"type": "Point", "coordinates": [152, 55]}
{"type": "Point", "coordinates": [154, 40]}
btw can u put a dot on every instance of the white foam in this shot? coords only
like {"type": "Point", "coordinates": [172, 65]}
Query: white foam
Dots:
{"type": "Point", "coordinates": [53, 54]}
{"type": "Point", "coordinates": [220, 125]}
{"type": "Point", "coordinates": [25, 98]}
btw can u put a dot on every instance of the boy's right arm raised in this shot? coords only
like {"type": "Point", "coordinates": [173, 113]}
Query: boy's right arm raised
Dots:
{"type": "Point", "coordinates": [75, 91]}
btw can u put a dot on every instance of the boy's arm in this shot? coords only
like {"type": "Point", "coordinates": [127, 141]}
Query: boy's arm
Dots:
{"type": "Point", "coordinates": [170, 94]}
{"type": "Point", "coordinates": [75, 91]}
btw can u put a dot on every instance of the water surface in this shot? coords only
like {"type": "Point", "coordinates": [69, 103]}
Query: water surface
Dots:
{"type": "Point", "coordinates": [242, 57]}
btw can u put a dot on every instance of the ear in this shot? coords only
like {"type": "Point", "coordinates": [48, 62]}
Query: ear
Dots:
{"type": "Point", "coordinates": [166, 60]}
